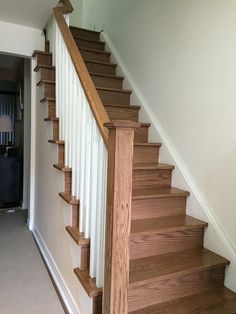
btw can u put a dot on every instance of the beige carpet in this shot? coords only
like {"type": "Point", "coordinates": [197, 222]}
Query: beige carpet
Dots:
{"type": "Point", "coordinates": [25, 287]}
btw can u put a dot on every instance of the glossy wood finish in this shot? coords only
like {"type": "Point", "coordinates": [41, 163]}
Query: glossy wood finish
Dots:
{"type": "Point", "coordinates": [106, 80]}
{"type": "Point", "coordinates": [163, 290]}
{"type": "Point", "coordinates": [212, 301]}
{"type": "Point", "coordinates": [44, 58]}
{"type": "Point", "coordinates": [114, 96]}
{"type": "Point", "coordinates": [88, 283]}
{"type": "Point", "coordinates": [118, 216]}
{"type": "Point", "coordinates": [155, 242]}
{"type": "Point", "coordinates": [100, 67]}
{"type": "Point", "coordinates": [169, 272]}
{"type": "Point", "coordinates": [85, 33]}
{"type": "Point", "coordinates": [156, 175]}
{"type": "Point", "coordinates": [96, 55]}
{"type": "Point", "coordinates": [122, 112]}
{"type": "Point", "coordinates": [89, 44]}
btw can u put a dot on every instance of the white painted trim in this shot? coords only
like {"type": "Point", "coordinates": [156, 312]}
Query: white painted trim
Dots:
{"type": "Point", "coordinates": [57, 277]}
{"type": "Point", "coordinates": [195, 189]}
{"type": "Point", "coordinates": [32, 146]}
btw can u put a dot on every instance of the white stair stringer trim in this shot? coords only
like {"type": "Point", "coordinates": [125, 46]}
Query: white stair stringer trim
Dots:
{"type": "Point", "coordinates": [193, 186]}
{"type": "Point", "coordinates": [56, 274]}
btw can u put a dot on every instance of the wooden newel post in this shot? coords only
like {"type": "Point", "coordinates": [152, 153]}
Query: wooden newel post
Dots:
{"type": "Point", "coordinates": [118, 216]}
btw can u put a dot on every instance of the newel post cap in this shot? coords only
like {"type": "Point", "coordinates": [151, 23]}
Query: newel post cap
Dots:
{"type": "Point", "coordinates": [122, 124]}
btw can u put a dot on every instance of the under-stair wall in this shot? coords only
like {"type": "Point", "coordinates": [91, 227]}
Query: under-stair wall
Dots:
{"type": "Point", "coordinates": [52, 213]}
{"type": "Point", "coordinates": [178, 58]}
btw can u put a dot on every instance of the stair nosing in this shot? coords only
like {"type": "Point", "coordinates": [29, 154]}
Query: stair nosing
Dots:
{"type": "Point", "coordinates": [122, 106]}
{"type": "Point", "coordinates": [148, 144]}
{"type": "Point", "coordinates": [84, 29]}
{"type": "Point", "coordinates": [51, 119]}
{"type": "Point", "coordinates": [45, 99]}
{"type": "Point", "coordinates": [102, 43]}
{"type": "Point", "coordinates": [59, 142]}
{"type": "Point", "coordinates": [36, 52]}
{"type": "Point", "coordinates": [81, 240]}
{"type": "Point", "coordinates": [94, 291]}
{"type": "Point", "coordinates": [158, 166]}
{"type": "Point", "coordinates": [68, 198]}
{"type": "Point", "coordinates": [181, 193]}
{"type": "Point", "coordinates": [100, 62]}
{"type": "Point", "coordinates": [62, 168]}
{"type": "Point", "coordinates": [199, 225]}
{"type": "Point", "coordinates": [116, 90]}
{"type": "Point", "coordinates": [96, 51]}
{"type": "Point", "coordinates": [186, 271]}
{"type": "Point", "coordinates": [38, 66]}
{"type": "Point", "coordinates": [106, 75]}
{"type": "Point", "coordinates": [41, 82]}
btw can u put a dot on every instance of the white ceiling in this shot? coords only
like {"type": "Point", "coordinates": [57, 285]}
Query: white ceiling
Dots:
{"type": "Point", "coordinates": [33, 13]}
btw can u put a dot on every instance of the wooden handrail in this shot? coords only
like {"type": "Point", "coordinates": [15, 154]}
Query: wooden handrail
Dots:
{"type": "Point", "coordinates": [94, 100]}
{"type": "Point", "coordinates": [118, 216]}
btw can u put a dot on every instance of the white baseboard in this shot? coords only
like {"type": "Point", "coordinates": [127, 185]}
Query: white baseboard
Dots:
{"type": "Point", "coordinates": [57, 277]}
{"type": "Point", "coordinates": [194, 188]}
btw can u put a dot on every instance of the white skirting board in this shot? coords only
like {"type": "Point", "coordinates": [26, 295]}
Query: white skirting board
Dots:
{"type": "Point", "coordinates": [179, 162]}
{"type": "Point", "coordinates": [57, 277]}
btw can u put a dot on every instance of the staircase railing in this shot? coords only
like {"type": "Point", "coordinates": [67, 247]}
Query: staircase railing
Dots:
{"type": "Point", "coordinates": [82, 117]}
{"type": "Point", "coordinates": [84, 126]}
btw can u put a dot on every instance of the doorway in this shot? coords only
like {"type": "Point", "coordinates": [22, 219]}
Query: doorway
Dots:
{"type": "Point", "coordinates": [15, 90]}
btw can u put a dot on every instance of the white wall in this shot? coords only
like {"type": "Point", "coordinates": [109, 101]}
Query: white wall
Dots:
{"type": "Point", "coordinates": [76, 18]}
{"type": "Point", "coordinates": [182, 56]}
{"type": "Point", "coordinates": [20, 40]}
{"type": "Point", "coordinates": [27, 128]}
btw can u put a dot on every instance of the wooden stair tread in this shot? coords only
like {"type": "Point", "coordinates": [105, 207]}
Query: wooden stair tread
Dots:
{"type": "Point", "coordinates": [148, 144]}
{"type": "Point", "coordinates": [121, 106]}
{"type": "Point", "coordinates": [107, 75]}
{"type": "Point", "coordinates": [109, 89]}
{"type": "Point", "coordinates": [36, 52]}
{"type": "Point", "coordinates": [165, 224]}
{"type": "Point", "coordinates": [77, 236]}
{"type": "Point", "coordinates": [69, 198]}
{"type": "Point", "coordinates": [219, 300]}
{"type": "Point", "coordinates": [102, 43]}
{"type": "Point", "coordinates": [101, 62]}
{"type": "Point", "coordinates": [88, 283]}
{"type": "Point", "coordinates": [59, 142]}
{"type": "Point", "coordinates": [84, 29]}
{"type": "Point", "coordinates": [62, 168]}
{"type": "Point", "coordinates": [153, 166]}
{"type": "Point", "coordinates": [38, 66]}
{"type": "Point", "coordinates": [41, 82]}
{"type": "Point", "coordinates": [96, 51]}
{"type": "Point", "coordinates": [45, 99]}
{"type": "Point", "coordinates": [157, 192]}
{"type": "Point", "coordinates": [51, 119]}
{"type": "Point", "coordinates": [167, 265]}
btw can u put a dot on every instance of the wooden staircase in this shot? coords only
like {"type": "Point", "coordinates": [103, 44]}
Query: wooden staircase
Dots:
{"type": "Point", "coordinates": [170, 271]}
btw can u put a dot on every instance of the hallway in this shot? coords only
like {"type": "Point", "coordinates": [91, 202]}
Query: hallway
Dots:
{"type": "Point", "coordinates": [25, 284]}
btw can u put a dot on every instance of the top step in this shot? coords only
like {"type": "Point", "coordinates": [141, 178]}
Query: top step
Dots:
{"type": "Point", "coordinates": [84, 33]}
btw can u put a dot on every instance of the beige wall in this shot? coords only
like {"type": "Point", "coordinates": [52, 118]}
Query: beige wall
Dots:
{"type": "Point", "coordinates": [49, 214]}
{"type": "Point", "coordinates": [182, 56]}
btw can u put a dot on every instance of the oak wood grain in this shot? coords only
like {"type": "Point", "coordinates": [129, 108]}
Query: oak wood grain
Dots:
{"type": "Point", "coordinates": [118, 216]}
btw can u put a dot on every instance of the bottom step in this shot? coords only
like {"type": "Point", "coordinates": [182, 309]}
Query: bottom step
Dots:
{"type": "Point", "coordinates": [216, 301]}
